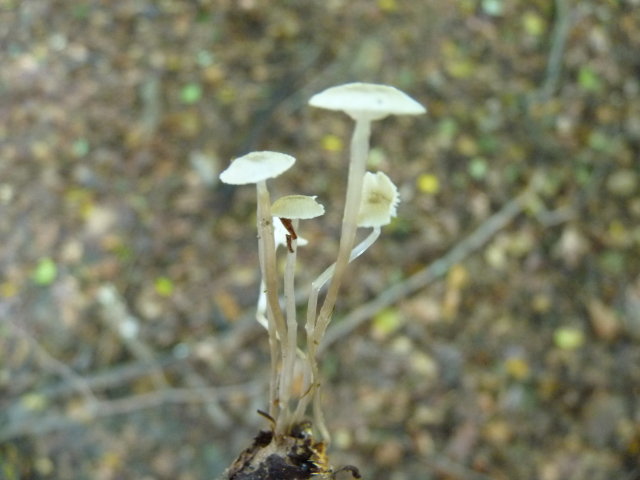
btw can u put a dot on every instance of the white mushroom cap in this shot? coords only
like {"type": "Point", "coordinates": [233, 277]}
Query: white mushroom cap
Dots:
{"type": "Point", "coordinates": [297, 207]}
{"type": "Point", "coordinates": [367, 100]}
{"type": "Point", "coordinates": [379, 200]}
{"type": "Point", "coordinates": [255, 167]}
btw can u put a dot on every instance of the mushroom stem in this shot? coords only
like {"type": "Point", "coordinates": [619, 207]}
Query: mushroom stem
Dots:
{"type": "Point", "coordinates": [269, 326]}
{"type": "Point", "coordinates": [325, 276]}
{"type": "Point", "coordinates": [318, 418]}
{"type": "Point", "coordinates": [275, 318]}
{"type": "Point", "coordinates": [313, 340]}
{"type": "Point", "coordinates": [357, 166]}
{"type": "Point", "coordinates": [317, 325]}
{"type": "Point", "coordinates": [290, 343]}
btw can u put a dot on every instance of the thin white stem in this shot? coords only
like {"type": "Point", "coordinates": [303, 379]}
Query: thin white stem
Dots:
{"type": "Point", "coordinates": [275, 318]}
{"type": "Point", "coordinates": [325, 276]}
{"type": "Point", "coordinates": [312, 340]}
{"type": "Point", "coordinates": [290, 344]}
{"type": "Point", "coordinates": [262, 318]}
{"type": "Point", "coordinates": [318, 418]}
{"type": "Point", "coordinates": [274, 352]}
{"type": "Point", "coordinates": [357, 167]}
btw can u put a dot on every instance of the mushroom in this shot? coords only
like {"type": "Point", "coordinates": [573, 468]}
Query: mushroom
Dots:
{"type": "Point", "coordinates": [364, 103]}
{"type": "Point", "coordinates": [369, 101]}
{"type": "Point", "coordinates": [295, 207]}
{"type": "Point", "coordinates": [257, 167]}
{"type": "Point", "coordinates": [290, 210]}
{"type": "Point", "coordinates": [378, 204]}
{"type": "Point", "coordinates": [300, 207]}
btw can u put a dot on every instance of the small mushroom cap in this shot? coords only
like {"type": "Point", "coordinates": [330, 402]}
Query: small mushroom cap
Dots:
{"type": "Point", "coordinates": [255, 167]}
{"type": "Point", "coordinates": [367, 101]}
{"type": "Point", "coordinates": [379, 200]}
{"type": "Point", "coordinates": [296, 207]}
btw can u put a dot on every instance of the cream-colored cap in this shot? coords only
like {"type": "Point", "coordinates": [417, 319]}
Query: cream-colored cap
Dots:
{"type": "Point", "coordinates": [255, 167]}
{"type": "Point", "coordinates": [379, 200]}
{"type": "Point", "coordinates": [367, 101]}
{"type": "Point", "coordinates": [297, 207]}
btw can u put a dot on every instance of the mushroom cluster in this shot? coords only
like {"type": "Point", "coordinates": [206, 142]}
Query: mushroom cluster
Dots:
{"type": "Point", "coordinates": [370, 202]}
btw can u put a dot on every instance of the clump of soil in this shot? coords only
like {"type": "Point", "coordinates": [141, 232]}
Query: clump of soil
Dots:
{"type": "Point", "coordinates": [294, 456]}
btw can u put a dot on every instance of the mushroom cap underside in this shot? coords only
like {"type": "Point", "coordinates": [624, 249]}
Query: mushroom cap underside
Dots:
{"type": "Point", "coordinates": [255, 167]}
{"type": "Point", "coordinates": [367, 100]}
{"type": "Point", "coordinates": [297, 207]}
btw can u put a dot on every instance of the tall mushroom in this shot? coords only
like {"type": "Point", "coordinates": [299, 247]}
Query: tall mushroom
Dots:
{"type": "Point", "coordinates": [364, 103]}
{"type": "Point", "coordinates": [257, 167]}
{"type": "Point", "coordinates": [290, 210]}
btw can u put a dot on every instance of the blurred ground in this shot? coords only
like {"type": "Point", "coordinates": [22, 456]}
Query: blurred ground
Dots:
{"type": "Point", "coordinates": [128, 273]}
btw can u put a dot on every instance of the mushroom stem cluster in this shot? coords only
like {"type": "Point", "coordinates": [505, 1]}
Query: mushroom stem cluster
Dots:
{"type": "Point", "coordinates": [290, 210]}
{"type": "Point", "coordinates": [370, 202]}
{"type": "Point", "coordinates": [257, 167]}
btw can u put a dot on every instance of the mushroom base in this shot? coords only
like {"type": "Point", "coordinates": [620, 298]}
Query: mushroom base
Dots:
{"type": "Point", "coordinates": [294, 456]}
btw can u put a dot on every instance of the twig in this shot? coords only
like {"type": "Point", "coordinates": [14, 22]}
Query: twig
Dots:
{"type": "Point", "coordinates": [113, 377]}
{"type": "Point", "coordinates": [212, 406]}
{"type": "Point", "coordinates": [35, 426]}
{"type": "Point", "coordinates": [51, 363]}
{"type": "Point", "coordinates": [165, 396]}
{"type": "Point", "coordinates": [558, 40]}
{"type": "Point", "coordinates": [121, 374]}
{"type": "Point", "coordinates": [432, 272]}
{"type": "Point", "coordinates": [125, 325]}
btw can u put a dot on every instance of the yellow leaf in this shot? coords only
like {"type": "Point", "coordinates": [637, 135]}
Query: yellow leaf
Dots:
{"type": "Point", "coordinates": [388, 5]}
{"type": "Point", "coordinates": [332, 143]}
{"type": "Point", "coordinates": [457, 277]}
{"type": "Point", "coordinates": [568, 338]}
{"type": "Point", "coordinates": [428, 183]}
{"type": "Point", "coordinates": [163, 286]}
{"type": "Point", "coordinates": [385, 323]}
{"type": "Point", "coordinates": [533, 24]}
{"type": "Point", "coordinates": [44, 465]}
{"type": "Point", "coordinates": [517, 368]}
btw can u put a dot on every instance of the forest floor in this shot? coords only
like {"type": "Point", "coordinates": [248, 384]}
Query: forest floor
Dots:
{"type": "Point", "coordinates": [128, 273]}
